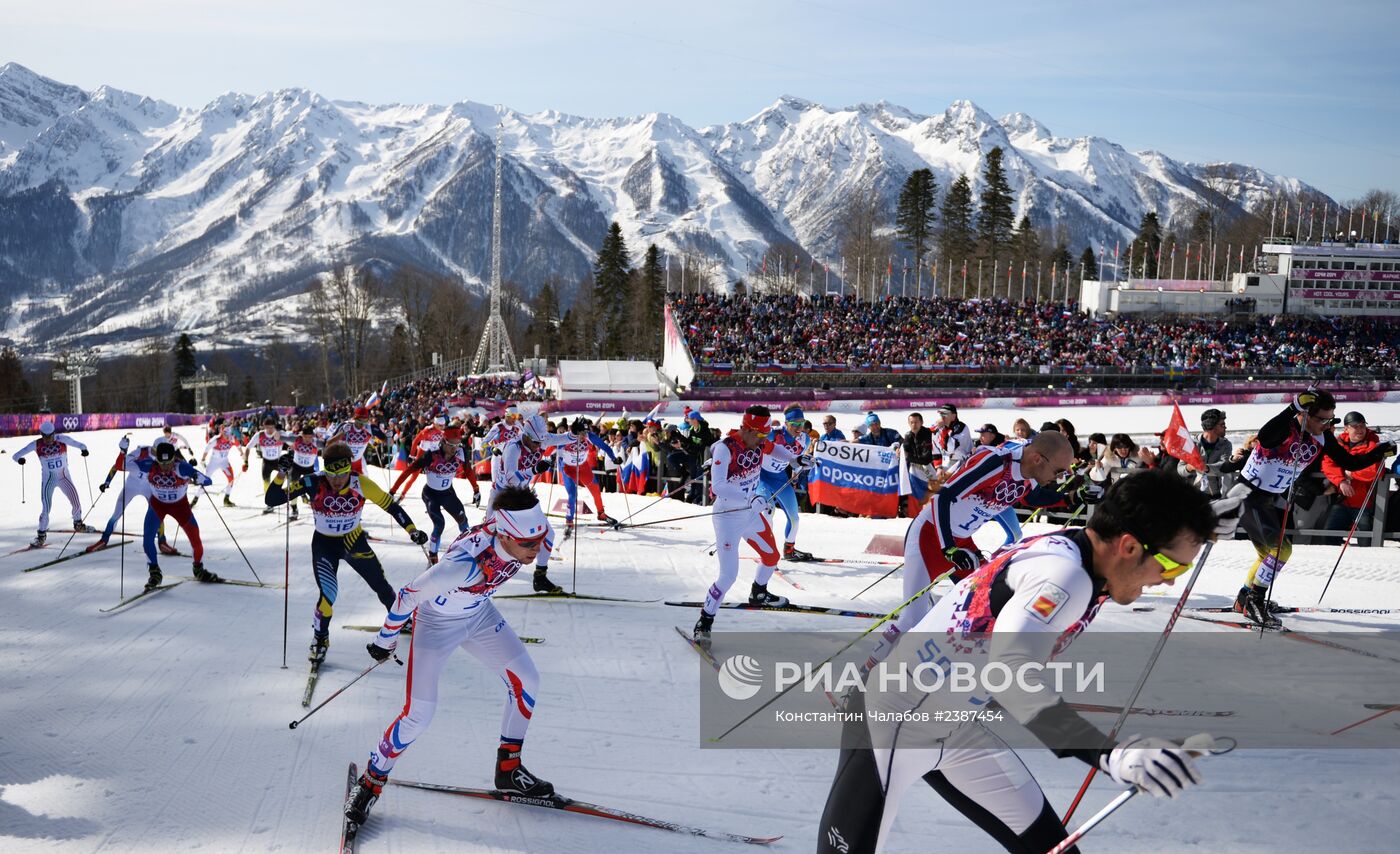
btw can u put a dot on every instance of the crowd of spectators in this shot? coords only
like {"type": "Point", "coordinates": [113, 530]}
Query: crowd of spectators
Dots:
{"type": "Point", "coordinates": [745, 332]}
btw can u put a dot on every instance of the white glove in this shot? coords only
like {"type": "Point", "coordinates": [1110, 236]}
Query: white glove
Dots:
{"type": "Point", "coordinates": [760, 504]}
{"type": "Point", "coordinates": [1228, 511]}
{"type": "Point", "coordinates": [1157, 766]}
{"type": "Point", "coordinates": [124, 444]}
{"type": "Point", "coordinates": [802, 463]}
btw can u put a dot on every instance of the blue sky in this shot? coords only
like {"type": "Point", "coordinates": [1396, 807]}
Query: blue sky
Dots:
{"type": "Point", "coordinates": [1306, 89]}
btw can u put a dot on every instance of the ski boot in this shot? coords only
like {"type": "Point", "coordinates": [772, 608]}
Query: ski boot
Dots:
{"type": "Point", "coordinates": [266, 510]}
{"type": "Point", "coordinates": [476, 499]}
{"type": "Point", "coordinates": [165, 548]}
{"type": "Point", "coordinates": [154, 581]}
{"type": "Point", "coordinates": [1273, 607]}
{"type": "Point", "coordinates": [793, 553]}
{"type": "Point", "coordinates": [97, 546]}
{"type": "Point", "coordinates": [432, 558]}
{"type": "Point", "coordinates": [759, 595]}
{"type": "Point", "coordinates": [609, 521]}
{"type": "Point", "coordinates": [319, 644]}
{"type": "Point", "coordinates": [294, 513]}
{"type": "Point", "coordinates": [701, 632]}
{"type": "Point", "coordinates": [228, 502]}
{"type": "Point", "coordinates": [512, 777]}
{"type": "Point", "coordinates": [544, 585]}
{"type": "Point", "coordinates": [1257, 610]}
{"type": "Point", "coordinates": [39, 540]}
{"type": "Point", "coordinates": [202, 574]}
{"type": "Point", "coordinates": [366, 791]}
{"type": "Point", "coordinates": [80, 527]}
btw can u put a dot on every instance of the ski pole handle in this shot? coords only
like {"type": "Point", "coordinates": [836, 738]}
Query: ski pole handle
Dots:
{"type": "Point", "coordinates": [294, 724]}
{"type": "Point", "coordinates": [1094, 820]}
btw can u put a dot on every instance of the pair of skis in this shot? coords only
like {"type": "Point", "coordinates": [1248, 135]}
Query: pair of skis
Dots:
{"type": "Point", "coordinates": [789, 608]}
{"type": "Point", "coordinates": [181, 579]}
{"type": "Point", "coordinates": [349, 833]}
{"type": "Point", "coordinates": [409, 632]}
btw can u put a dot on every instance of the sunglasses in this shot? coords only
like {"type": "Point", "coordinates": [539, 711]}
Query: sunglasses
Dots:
{"type": "Point", "coordinates": [339, 470]}
{"type": "Point", "coordinates": [1170, 568]}
{"type": "Point", "coordinates": [529, 542]}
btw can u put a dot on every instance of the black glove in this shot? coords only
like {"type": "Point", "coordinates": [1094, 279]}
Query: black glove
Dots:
{"type": "Point", "coordinates": [963, 559]}
{"type": "Point", "coordinates": [377, 652]}
{"type": "Point", "coordinates": [21, 460]}
{"type": "Point", "coordinates": [284, 464]}
{"type": "Point", "coordinates": [418, 537]}
{"type": "Point", "coordinates": [1089, 492]}
{"type": "Point", "coordinates": [495, 452]}
{"type": "Point", "coordinates": [542, 466]}
{"type": "Point", "coordinates": [102, 487]}
{"type": "Point", "coordinates": [84, 452]}
{"type": "Point", "coordinates": [803, 463]}
{"type": "Point", "coordinates": [1386, 449]}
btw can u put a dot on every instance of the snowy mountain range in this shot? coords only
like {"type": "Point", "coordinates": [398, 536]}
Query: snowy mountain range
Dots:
{"type": "Point", "coordinates": [122, 216]}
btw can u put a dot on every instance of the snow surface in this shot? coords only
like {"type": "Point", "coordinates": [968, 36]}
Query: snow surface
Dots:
{"type": "Point", "coordinates": [164, 727]}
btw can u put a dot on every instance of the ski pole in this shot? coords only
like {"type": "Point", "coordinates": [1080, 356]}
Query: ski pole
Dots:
{"type": "Point", "coordinates": [683, 518]}
{"type": "Point", "coordinates": [286, 581]}
{"type": "Point", "coordinates": [1278, 549]}
{"type": "Point", "coordinates": [87, 475]}
{"type": "Point", "coordinates": [1093, 821]}
{"type": "Point", "coordinates": [1142, 678]}
{"type": "Point", "coordinates": [651, 504]}
{"type": "Point", "coordinates": [215, 505]}
{"type": "Point", "coordinates": [91, 507]}
{"type": "Point", "coordinates": [296, 723]}
{"type": "Point", "coordinates": [1357, 521]}
{"type": "Point", "coordinates": [22, 479]}
{"type": "Point", "coordinates": [121, 579]}
{"type": "Point", "coordinates": [878, 580]}
{"type": "Point", "coordinates": [873, 626]}
{"type": "Point", "coordinates": [1384, 711]}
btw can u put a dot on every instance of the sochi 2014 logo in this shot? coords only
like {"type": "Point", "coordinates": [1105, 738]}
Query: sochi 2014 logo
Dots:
{"type": "Point", "coordinates": [740, 677]}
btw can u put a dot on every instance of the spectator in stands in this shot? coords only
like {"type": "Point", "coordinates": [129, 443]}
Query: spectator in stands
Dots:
{"type": "Point", "coordinates": [918, 456]}
{"type": "Point", "coordinates": [952, 443]}
{"type": "Point", "coordinates": [1354, 488]}
{"type": "Point", "coordinates": [1021, 429]}
{"type": "Point", "coordinates": [1097, 445]}
{"type": "Point", "coordinates": [1215, 451]}
{"type": "Point", "coordinates": [1068, 429]}
{"type": "Point", "coordinates": [885, 437]}
{"type": "Point", "coordinates": [829, 431]}
{"type": "Point", "coordinates": [990, 436]}
{"type": "Point", "coordinates": [697, 447]}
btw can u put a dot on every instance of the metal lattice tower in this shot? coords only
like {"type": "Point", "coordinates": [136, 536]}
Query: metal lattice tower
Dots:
{"type": "Point", "coordinates": [75, 367]}
{"type": "Point", "coordinates": [201, 382]}
{"type": "Point", "coordinates": [495, 353]}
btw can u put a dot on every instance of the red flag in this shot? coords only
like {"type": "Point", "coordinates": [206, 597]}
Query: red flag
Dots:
{"type": "Point", "coordinates": [1179, 442]}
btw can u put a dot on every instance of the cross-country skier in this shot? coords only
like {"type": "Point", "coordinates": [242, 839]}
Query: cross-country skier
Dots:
{"type": "Point", "coordinates": [270, 445]}
{"type": "Point", "coordinates": [1287, 444]}
{"type": "Point", "coordinates": [576, 461]}
{"type": "Point", "coordinates": [452, 600]}
{"type": "Point", "coordinates": [740, 515]}
{"type": "Point", "coordinates": [181, 444]}
{"type": "Point", "coordinates": [1032, 600]}
{"type": "Point", "coordinates": [502, 431]}
{"type": "Point", "coordinates": [133, 486]}
{"type": "Point", "coordinates": [516, 465]}
{"type": "Point", "coordinates": [338, 499]}
{"type": "Point", "coordinates": [425, 440]}
{"type": "Point", "coordinates": [215, 458]}
{"type": "Point", "coordinates": [440, 466]}
{"type": "Point", "coordinates": [358, 434]}
{"type": "Point", "coordinates": [939, 540]}
{"type": "Point", "coordinates": [304, 456]}
{"type": "Point", "coordinates": [168, 477]}
{"type": "Point", "coordinates": [774, 483]}
{"type": "Point", "coordinates": [52, 449]}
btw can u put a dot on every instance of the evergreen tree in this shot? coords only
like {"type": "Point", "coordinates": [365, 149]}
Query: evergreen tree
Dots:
{"type": "Point", "coordinates": [914, 215]}
{"type": "Point", "coordinates": [1142, 252]}
{"type": "Point", "coordinates": [1089, 264]}
{"type": "Point", "coordinates": [182, 399]}
{"type": "Point", "coordinates": [995, 217]}
{"type": "Point", "coordinates": [1027, 242]}
{"type": "Point", "coordinates": [651, 284]}
{"type": "Point", "coordinates": [612, 273]}
{"type": "Point", "coordinates": [1060, 259]}
{"type": "Point", "coordinates": [958, 240]}
{"type": "Point", "coordinates": [18, 394]}
{"type": "Point", "coordinates": [545, 327]}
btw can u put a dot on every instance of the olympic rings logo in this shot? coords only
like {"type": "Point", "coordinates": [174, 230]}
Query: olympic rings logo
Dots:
{"type": "Point", "coordinates": [1302, 452]}
{"type": "Point", "coordinates": [749, 458]}
{"type": "Point", "coordinates": [70, 422]}
{"type": "Point", "coordinates": [340, 503]}
{"type": "Point", "coordinates": [1009, 492]}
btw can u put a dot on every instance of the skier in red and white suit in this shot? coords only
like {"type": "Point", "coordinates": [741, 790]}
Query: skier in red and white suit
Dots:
{"type": "Point", "coordinates": [452, 601]}
{"type": "Point", "coordinates": [740, 515]}
{"type": "Point", "coordinates": [216, 459]}
{"type": "Point", "coordinates": [52, 450]}
{"type": "Point", "coordinates": [358, 434]}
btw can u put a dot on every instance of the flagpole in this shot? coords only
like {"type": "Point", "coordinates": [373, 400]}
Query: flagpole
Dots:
{"type": "Point", "coordinates": [979, 278]}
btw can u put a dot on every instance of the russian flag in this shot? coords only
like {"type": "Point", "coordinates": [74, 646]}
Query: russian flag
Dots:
{"type": "Point", "coordinates": [377, 396]}
{"type": "Point", "coordinates": [633, 475]}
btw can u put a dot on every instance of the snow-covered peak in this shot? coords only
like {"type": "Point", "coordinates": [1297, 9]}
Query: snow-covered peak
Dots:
{"type": "Point", "coordinates": [1020, 126]}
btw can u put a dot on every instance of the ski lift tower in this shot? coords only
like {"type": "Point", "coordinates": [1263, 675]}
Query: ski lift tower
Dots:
{"type": "Point", "coordinates": [201, 382]}
{"type": "Point", "coordinates": [495, 355]}
{"type": "Point", "coordinates": [76, 366]}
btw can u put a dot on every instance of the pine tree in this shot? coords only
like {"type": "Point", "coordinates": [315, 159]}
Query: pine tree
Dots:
{"type": "Point", "coordinates": [612, 272]}
{"type": "Point", "coordinates": [914, 215]}
{"type": "Point", "coordinates": [182, 399]}
{"type": "Point", "coordinates": [958, 240]}
{"type": "Point", "coordinates": [18, 394]}
{"type": "Point", "coordinates": [1090, 266]}
{"type": "Point", "coordinates": [651, 283]}
{"type": "Point", "coordinates": [995, 217]}
{"type": "Point", "coordinates": [1060, 258]}
{"type": "Point", "coordinates": [1142, 252]}
{"type": "Point", "coordinates": [1027, 242]}
{"type": "Point", "coordinates": [545, 328]}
